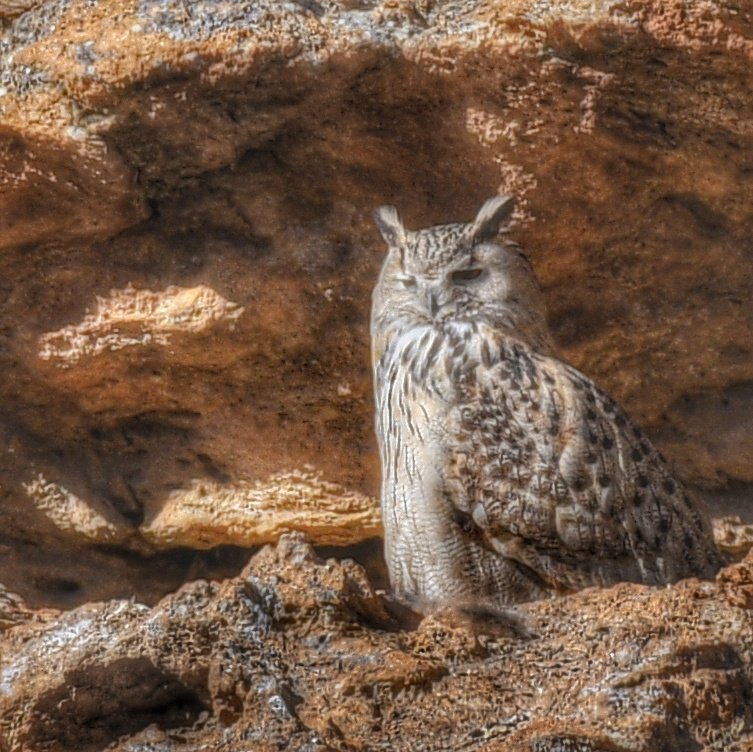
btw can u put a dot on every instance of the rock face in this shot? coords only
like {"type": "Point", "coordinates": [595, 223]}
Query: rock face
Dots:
{"type": "Point", "coordinates": [301, 654]}
{"type": "Point", "coordinates": [188, 254]}
{"type": "Point", "coordinates": [186, 260]}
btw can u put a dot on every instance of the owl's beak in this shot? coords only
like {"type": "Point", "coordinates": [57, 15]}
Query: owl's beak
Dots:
{"type": "Point", "coordinates": [433, 303]}
{"type": "Point", "coordinates": [436, 300]}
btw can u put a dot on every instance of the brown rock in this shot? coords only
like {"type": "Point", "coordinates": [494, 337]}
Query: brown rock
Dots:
{"type": "Point", "coordinates": [300, 653]}
{"type": "Point", "coordinates": [189, 255]}
{"type": "Point", "coordinates": [187, 260]}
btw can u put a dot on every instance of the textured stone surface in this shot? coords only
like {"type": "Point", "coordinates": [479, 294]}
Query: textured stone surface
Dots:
{"type": "Point", "coordinates": [187, 252]}
{"type": "Point", "coordinates": [212, 514]}
{"type": "Point", "coordinates": [299, 653]}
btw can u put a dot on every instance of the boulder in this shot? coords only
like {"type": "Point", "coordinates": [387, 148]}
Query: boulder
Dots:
{"type": "Point", "coordinates": [301, 653]}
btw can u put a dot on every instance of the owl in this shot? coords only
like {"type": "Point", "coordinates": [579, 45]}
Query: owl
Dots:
{"type": "Point", "coordinates": [507, 474]}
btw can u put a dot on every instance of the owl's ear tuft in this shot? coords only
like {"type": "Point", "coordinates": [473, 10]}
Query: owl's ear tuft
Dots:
{"type": "Point", "coordinates": [388, 222]}
{"type": "Point", "coordinates": [490, 218]}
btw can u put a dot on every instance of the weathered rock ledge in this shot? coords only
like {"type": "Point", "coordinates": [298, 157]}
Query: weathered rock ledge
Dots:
{"type": "Point", "coordinates": [298, 653]}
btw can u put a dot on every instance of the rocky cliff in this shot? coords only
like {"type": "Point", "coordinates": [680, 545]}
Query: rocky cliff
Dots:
{"type": "Point", "coordinates": [297, 653]}
{"type": "Point", "coordinates": [186, 259]}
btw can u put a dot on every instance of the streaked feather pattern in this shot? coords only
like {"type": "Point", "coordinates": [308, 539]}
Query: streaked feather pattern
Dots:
{"type": "Point", "coordinates": [508, 475]}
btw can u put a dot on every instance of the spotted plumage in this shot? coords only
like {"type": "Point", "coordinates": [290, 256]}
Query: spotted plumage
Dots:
{"type": "Point", "coordinates": [507, 475]}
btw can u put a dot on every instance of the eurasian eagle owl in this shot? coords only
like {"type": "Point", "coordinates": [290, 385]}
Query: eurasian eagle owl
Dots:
{"type": "Point", "coordinates": [507, 475]}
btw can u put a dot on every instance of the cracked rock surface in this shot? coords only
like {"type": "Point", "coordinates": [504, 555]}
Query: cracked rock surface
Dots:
{"type": "Point", "coordinates": [300, 653]}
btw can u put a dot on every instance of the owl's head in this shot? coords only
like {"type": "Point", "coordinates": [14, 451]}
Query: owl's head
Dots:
{"type": "Point", "coordinates": [457, 272]}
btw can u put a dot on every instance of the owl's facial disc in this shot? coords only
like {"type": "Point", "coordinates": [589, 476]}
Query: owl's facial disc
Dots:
{"type": "Point", "coordinates": [446, 272]}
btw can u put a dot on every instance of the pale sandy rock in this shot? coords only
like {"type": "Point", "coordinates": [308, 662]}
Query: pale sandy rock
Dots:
{"type": "Point", "coordinates": [733, 535]}
{"type": "Point", "coordinates": [72, 514]}
{"type": "Point", "coordinates": [130, 317]}
{"type": "Point", "coordinates": [249, 514]}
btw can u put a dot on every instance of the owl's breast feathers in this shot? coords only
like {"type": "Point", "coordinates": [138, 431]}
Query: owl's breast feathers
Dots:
{"type": "Point", "coordinates": [551, 471]}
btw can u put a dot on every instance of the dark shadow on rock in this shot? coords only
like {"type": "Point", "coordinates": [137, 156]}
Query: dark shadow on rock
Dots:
{"type": "Point", "coordinates": [51, 192]}
{"type": "Point", "coordinates": [369, 554]}
{"type": "Point", "coordinates": [63, 573]}
{"type": "Point", "coordinates": [98, 704]}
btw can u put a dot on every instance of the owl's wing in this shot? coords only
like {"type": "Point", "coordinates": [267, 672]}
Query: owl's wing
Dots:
{"type": "Point", "coordinates": [557, 479]}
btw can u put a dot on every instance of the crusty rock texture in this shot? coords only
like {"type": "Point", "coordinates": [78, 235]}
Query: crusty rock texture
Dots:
{"type": "Point", "coordinates": [186, 262]}
{"type": "Point", "coordinates": [297, 653]}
